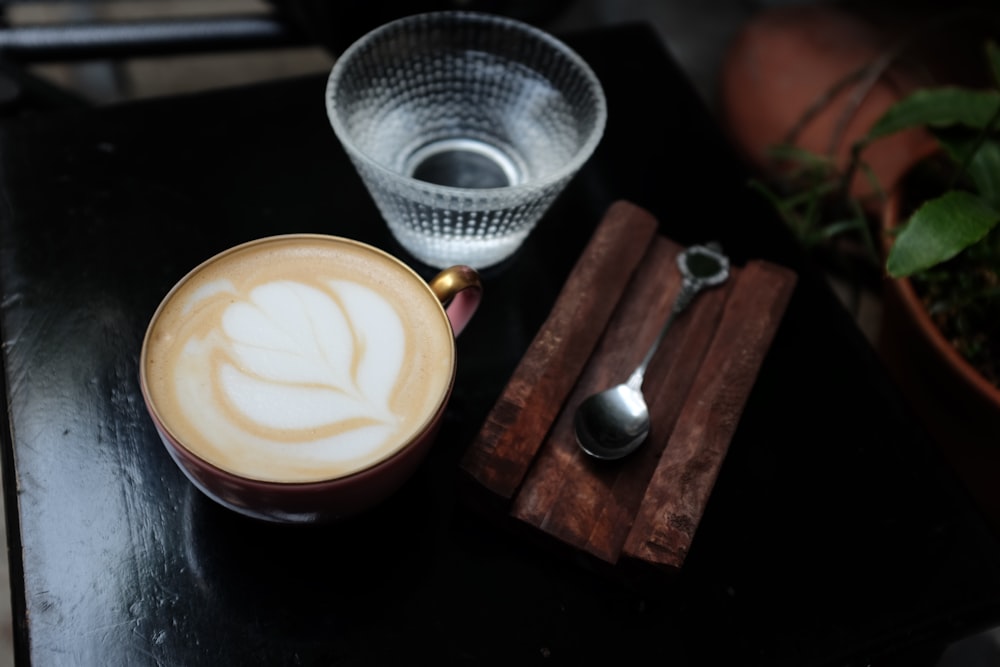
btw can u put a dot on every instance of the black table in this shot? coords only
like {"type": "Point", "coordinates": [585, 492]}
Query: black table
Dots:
{"type": "Point", "coordinates": [834, 535]}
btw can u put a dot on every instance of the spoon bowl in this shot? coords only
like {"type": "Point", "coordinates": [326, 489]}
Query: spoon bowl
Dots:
{"type": "Point", "coordinates": [615, 422]}
{"type": "Point", "coordinates": [612, 423]}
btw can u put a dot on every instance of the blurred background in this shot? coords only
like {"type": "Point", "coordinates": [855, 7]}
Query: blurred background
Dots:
{"type": "Point", "coordinates": [87, 52]}
{"type": "Point", "coordinates": [293, 36]}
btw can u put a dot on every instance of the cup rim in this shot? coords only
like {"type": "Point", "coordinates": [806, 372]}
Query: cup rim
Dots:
{"type": "Point", "coordinates": [415, 437]}
{"type": "Point", "coordinates": [579, 158]}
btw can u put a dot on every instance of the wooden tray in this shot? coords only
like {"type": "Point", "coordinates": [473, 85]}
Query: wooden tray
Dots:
{"type": "Point", "coordinates": [647, 506]}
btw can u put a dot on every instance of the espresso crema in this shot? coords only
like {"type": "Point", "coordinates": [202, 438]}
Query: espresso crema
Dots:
{"type": "Point", "coordinates": [298, 358]}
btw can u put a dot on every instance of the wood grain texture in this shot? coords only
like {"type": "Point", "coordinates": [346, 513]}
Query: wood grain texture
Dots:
{"type": "Point", "coordinates": [590, 504]}
{"type": "Point", "coordinates": [515, 427]}
{"type": "Point", "coordinates": [682, 483]}
{"type": "Point", "coordinates": [647, 506]}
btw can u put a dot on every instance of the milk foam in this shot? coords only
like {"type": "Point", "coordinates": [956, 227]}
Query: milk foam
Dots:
{"type": "Point", "coordinates": [296, 369]}
{"type": "Point", "coordinates": [295, 346]}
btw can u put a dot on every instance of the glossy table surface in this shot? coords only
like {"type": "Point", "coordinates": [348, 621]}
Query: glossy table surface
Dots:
{"type": "Point", "coordinates": [834, 535]}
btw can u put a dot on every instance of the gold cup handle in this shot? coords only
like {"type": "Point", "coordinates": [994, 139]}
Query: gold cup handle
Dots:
{"type": "Point", "coordinates": [460, 291]}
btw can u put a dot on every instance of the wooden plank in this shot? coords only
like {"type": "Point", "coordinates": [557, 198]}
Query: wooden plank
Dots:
{"type": "Point", "coordinates": [506, 445]}
{"type": "Point", "coordinates": [682, 483]}
{"type": "Point", "coordinates": [648, 506]}
{"type": "Point", "coordinates": [561, 469]}
{"type": "Point", "coordinates": [668, 381]}
{"type": "Point", "coordinates": [590, 504]}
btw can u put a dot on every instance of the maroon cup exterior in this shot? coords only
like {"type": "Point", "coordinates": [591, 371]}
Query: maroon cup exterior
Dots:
{"type": "Point", "coordinates": [459, 291]}
{"type": "Point", "coordinates": [324, 501]}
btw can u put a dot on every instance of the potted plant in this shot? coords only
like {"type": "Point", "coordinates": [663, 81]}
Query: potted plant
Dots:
{"type": "Point", "coordinates": [941, 326]}
{"type": "Point", "coordinates": [933, 246]}
{"type": "Point", "coordinates": [941, 224]}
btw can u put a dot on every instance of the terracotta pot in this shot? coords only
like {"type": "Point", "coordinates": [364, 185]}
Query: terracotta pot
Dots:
{"type": "Point", "coordinates": [959, 408]}
{"type": "Point", "coordinates": [784, 60]}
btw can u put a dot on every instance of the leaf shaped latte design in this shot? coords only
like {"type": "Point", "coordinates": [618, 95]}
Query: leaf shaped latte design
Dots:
{"type": "Point", "coordinates": [307, 358]}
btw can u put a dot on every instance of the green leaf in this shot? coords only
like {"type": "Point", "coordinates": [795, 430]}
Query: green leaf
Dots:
{"type": "Point", "coordinates": [838, 227]}
{"type": "Point", "coordinates": [938, 107]}
{"type": "Point", "coordinates": [801, 156]}
{"type": "Point", "coordinates": [939, 230]}
{"type": "Point", "coordinates": [983, 167]}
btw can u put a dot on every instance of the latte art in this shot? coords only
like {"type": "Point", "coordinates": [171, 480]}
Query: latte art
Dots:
{"type": "Point", "coordinates": [283, 367]}
{"type": "Point", "coordinates": [304, 364]}
{"type": "Point", "coordinates": [306, 358]}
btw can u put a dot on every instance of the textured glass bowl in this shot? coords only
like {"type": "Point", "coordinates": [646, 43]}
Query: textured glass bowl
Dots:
{"type": "Point", "coordinates": [464, 128]}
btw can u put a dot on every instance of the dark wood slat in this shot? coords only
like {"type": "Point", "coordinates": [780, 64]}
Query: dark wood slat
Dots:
{"type": "Point", "coordinates": [514, 429]}
{"type": "Point", "coordinates": [647, 506]}
{"type": "Point", "coordinates": [590, 504]}
{"type": "Point", "coordinates": [680, 488]}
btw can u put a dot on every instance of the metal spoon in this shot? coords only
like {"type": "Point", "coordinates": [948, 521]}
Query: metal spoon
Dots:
{"type": "Point", "coordinates": [614, 422]}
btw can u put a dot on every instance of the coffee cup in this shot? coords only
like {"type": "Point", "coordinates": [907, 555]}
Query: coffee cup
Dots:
{"type": "Point", "coordinates": [303, 377]}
